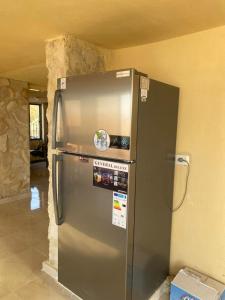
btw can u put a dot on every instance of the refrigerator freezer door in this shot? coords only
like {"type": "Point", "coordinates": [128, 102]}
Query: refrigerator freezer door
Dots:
{"type": "Point", "coordinates": [94, 254]}
{"type": "Point", "coordinates": [97, 115]}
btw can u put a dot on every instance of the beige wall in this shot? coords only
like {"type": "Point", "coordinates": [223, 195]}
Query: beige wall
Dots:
{"type": "Point", "coordinates": [14, 140]}
{"type": "Point", "coordinates": [196, 64]}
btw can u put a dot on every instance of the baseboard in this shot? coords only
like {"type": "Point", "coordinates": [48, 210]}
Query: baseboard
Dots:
{"type": "Point", "coordinates": [75, 297]}
{"type": "Point", "coordinates": [53, 273]}
{"type": "Point", "coordinates": [163, 291]}
{"type": "Point", "coordinates": [50, 270]}
{"type": "Point", "coordinates": [20, 196]}
{"type": "Point", "coordinates": [160, 293]}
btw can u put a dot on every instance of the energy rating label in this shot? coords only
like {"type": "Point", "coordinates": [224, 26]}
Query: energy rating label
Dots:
{"type": "Point", "coordinates": [119, 210]}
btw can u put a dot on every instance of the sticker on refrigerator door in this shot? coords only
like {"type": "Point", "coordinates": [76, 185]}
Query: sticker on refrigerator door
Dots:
{"type": "Point", "coordinates": [110, 175]}
{"type": "Point", "coordinates": [119, 210]}
{"type": "Point", "coordinates": [125, 73]}
{"type": "Point", "coordinates": [63, 83]}
{"type": "Point", "coordinates": [101, 140]}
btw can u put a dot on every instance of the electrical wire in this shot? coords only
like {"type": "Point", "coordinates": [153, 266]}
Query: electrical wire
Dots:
{"type": "Point", "coordinates": [186, 186]}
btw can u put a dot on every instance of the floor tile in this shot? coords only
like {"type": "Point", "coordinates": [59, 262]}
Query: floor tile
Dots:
{"type": "Point", "coordinates": [24, 237]}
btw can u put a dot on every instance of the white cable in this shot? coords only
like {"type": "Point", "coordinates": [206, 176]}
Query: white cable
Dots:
{"type": "Point", "coordinates": [185, 190]}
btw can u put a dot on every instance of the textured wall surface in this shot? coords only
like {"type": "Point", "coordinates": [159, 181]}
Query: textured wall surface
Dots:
{"type": "Point", "coordinates": [66, 56]}
{"type": "Point", "coordinates": [14, 139]}
{"type": "Point", "coordinates": [195, 63]}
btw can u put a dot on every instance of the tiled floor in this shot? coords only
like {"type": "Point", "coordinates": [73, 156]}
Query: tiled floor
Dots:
{"type": "Point", "coordinates": [24, 246]}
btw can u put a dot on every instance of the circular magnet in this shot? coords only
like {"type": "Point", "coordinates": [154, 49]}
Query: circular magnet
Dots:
{"type": "Point", "coordinates": [101, 140]}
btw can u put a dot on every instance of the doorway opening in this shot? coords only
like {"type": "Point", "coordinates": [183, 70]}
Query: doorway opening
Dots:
{"type": "Point", "coordinates": [39, 174]}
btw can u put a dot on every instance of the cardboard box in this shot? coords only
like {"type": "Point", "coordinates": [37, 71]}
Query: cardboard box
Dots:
{"type": "Point", "coordinates": [192, 285]}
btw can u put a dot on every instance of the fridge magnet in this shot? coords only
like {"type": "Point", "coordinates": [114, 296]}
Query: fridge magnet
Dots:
{"type": "Point", "coordinates": [101, 140]}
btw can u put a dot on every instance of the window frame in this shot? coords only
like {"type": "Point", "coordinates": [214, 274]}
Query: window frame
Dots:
{"type": "Point", "coordinates": [40, 122]}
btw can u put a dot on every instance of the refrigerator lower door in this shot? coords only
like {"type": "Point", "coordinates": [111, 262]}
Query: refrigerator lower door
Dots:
{"type": "Point", "coordinates": [94, 254]}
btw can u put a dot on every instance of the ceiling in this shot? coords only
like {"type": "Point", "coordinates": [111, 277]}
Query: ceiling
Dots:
{"type": "Point", "coordinates": [26, 24]}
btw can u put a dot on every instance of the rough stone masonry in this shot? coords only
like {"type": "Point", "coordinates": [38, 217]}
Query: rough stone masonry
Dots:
{"type": "Point", "coordinates": [66, 56]}
{"type": "Point", "coordinates": [14, 140]}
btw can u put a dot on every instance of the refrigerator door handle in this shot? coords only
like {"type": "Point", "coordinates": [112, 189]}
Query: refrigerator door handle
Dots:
{"type": "Point", "coordinates": [57, 195]}
{"type": "Point", "coordinates": [57, 98]}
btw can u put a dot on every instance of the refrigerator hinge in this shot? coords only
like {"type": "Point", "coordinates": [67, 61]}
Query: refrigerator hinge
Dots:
{"type": "Point", "coordinates": [144, 86]}
{"type": "Point", "coordinates": [61, 83]}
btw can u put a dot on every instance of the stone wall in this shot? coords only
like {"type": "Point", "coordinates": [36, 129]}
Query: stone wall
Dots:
{"type": "Point", "coordinates": [14, 140]}
{"type": "Point", "coordinates": [66, 56]}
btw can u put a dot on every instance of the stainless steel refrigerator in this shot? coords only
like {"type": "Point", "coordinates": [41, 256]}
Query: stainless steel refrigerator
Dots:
{"type": "Point", "coordinates": [113, 183]}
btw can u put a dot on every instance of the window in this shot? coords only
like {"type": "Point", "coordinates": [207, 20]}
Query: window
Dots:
{"type": "Point", "coordinates": [35, 122]}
